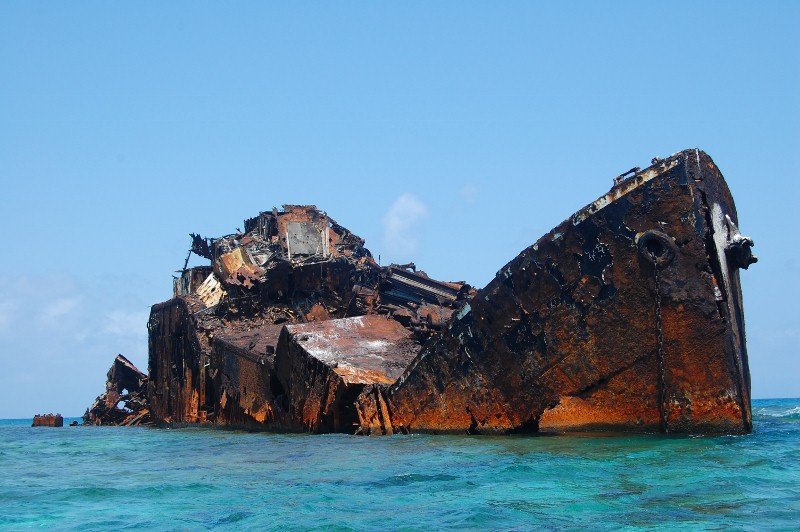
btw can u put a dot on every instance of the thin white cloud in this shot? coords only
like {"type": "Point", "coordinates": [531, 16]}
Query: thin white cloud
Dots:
{"type": "Point", "coordinates": [122, 322]}
{"type": "Point", "coordinates": [399, 224]}
{"type": "Point", "coordinates": [6, 313]}
{"type": "Point", "coordinates": [469, 192]}
{"type": "Point", "coordinates": [59, 308]}
{"type": "Point", "coordinates": [50, 326]}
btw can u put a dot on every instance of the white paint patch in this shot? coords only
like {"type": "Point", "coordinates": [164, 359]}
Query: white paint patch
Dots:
{"type": "Point", "coordinates": [211, 291]}
{"type": "Point", "coordinates": [345, 324]}
{"type": "Point", "coordinates": [720, 239]}
{"type": "Point", "coordinates": [376, 345]}
{"type": "Point", "coordinates": [623, 189]}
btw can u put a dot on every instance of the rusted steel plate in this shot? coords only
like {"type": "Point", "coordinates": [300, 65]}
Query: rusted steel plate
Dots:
{"type": "Point", "coordinates": [323, 366]}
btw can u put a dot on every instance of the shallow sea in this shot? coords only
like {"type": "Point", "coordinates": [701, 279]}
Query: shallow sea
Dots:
{"type": "Point", "coordinates": [106, 478]}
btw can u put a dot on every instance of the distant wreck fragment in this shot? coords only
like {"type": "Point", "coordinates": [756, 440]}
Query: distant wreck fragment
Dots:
{"type": "Point", "coordinates": [48, 420]}
{"type": "Point", "coordinates": [627, 316]}
{"type": "Point", "coordinates": [124, 402]}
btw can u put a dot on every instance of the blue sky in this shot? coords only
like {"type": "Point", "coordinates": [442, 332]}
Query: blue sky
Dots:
{"type": "Point", "coordinates": [124, 127]}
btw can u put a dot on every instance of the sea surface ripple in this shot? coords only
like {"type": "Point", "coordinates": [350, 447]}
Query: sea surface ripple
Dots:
{"type": "Point", "coordinates": [100, 478]}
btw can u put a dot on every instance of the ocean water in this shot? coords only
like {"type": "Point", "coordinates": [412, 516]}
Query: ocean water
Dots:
{"type": "Point", "coordinates": [100, 478]}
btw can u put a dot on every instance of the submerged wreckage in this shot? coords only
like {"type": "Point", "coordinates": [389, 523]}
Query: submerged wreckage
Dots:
{"type": "Point", "coordinates": [627, 316]}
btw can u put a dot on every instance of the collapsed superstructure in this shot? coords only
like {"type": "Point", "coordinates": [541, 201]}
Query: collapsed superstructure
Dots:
{"type": "Point", "coordinates": [213, 347]}
{"type": "Point", "coordinates": [627, 316]}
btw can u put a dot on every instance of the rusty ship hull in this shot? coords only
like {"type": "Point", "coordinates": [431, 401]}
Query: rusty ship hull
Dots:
{"type": "Point", "coordinates": [628, 316]}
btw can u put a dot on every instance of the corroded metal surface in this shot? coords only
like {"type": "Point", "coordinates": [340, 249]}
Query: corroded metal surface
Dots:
{"type": "Point", "coordinates": [125, 400]}
{"type": "Point", "coordinates": [177, 355]}
{"type": "Point", "coordinates": [323, 366]}
{"type": "Point", "coordinates": [212, 347]}
{"type": "Point", "coordinates": [48, 420]}
{"type": "Point", "coordinates": [627, 316]}
{"type": "Point", "coordinates": [240, 385]}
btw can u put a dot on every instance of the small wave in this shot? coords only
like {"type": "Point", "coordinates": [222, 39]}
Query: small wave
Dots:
{"type": "Point", "coordinates": [233, 517]}
{"type": "Point", "coordinates": [412, 478]}
{"type": "Point", "coordinates": [793, 413]}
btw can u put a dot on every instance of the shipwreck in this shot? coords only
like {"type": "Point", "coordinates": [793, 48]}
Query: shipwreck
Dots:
{"type": "Point", "coordinates": [628, 316]}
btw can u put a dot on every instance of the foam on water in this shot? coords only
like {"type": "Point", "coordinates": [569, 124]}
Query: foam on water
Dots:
{"type": "Point", "coordinates": [107, 477]}
{"type": "Point", "coordinates": [779, 412]}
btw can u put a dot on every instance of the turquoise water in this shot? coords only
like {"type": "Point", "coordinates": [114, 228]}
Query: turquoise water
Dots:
{"type": "Point", "coordinates": [107, 477]}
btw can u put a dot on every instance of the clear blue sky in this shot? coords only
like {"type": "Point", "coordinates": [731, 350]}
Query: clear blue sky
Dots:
{"type": "Point", "coordinates": [126, 126]}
